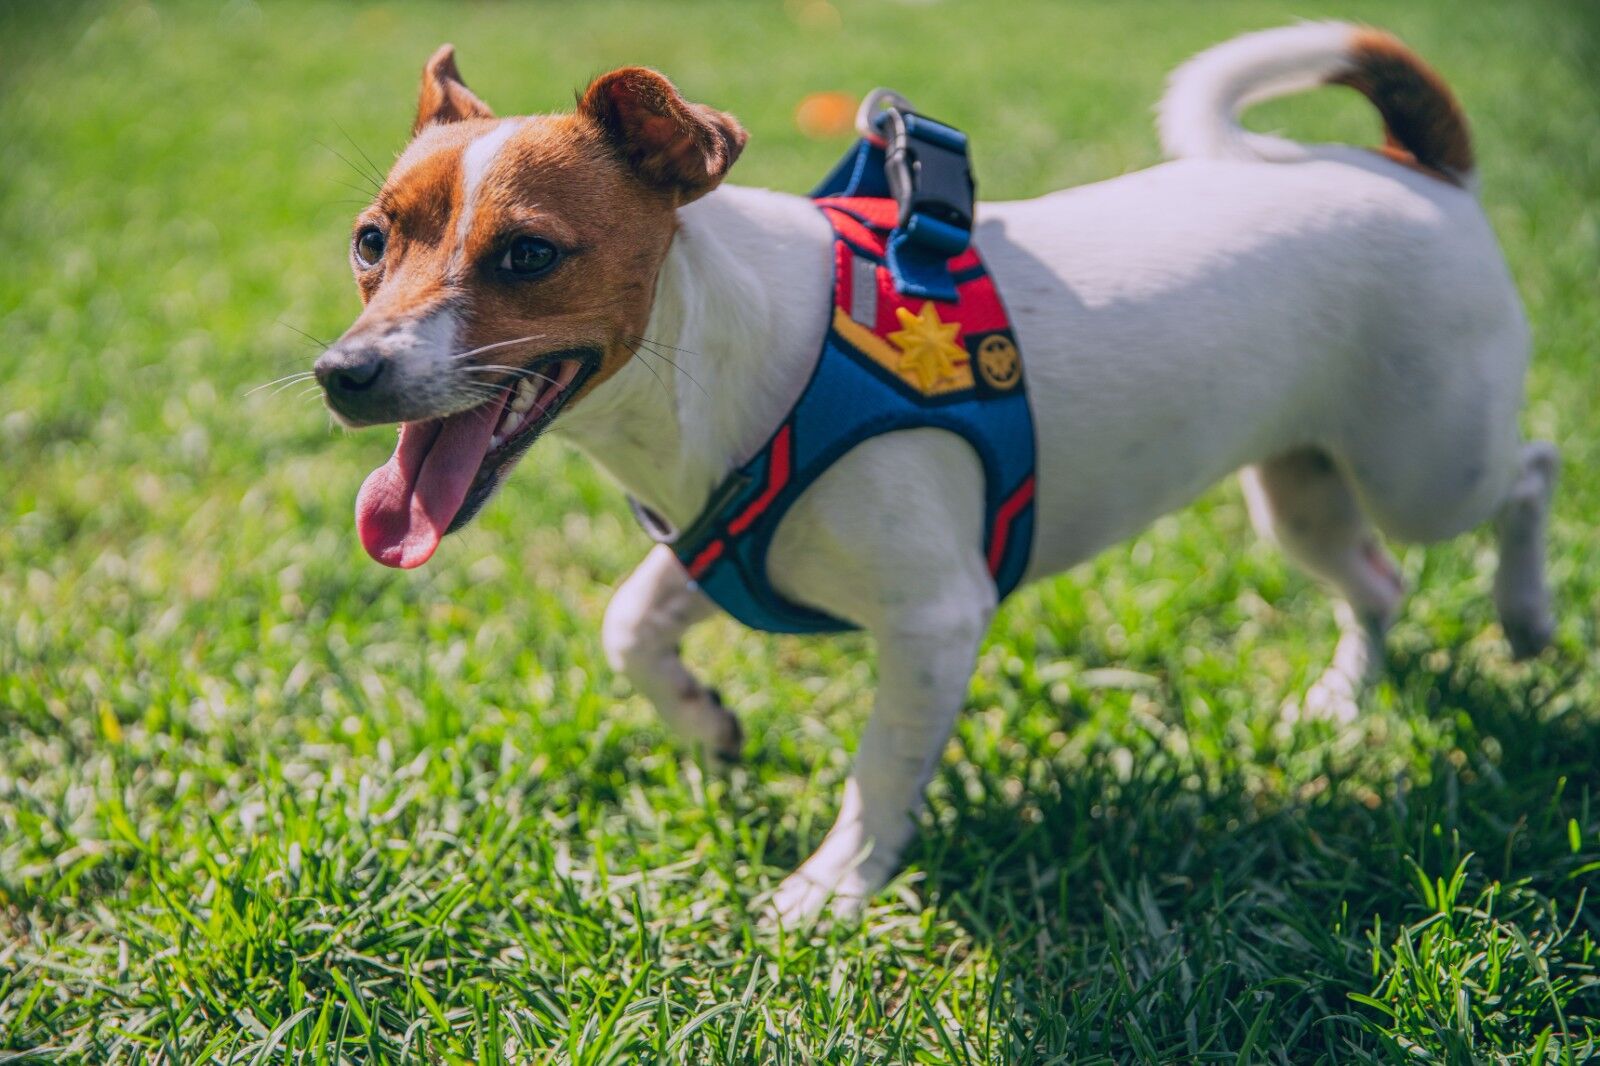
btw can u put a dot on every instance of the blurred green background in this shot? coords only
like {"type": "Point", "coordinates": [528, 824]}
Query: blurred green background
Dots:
{"type": "Point", "coordinates": [263, 800]}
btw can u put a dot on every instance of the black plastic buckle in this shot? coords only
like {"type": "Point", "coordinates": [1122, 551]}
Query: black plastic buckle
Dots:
{"type": "Point", "coordinates": [930, 178]}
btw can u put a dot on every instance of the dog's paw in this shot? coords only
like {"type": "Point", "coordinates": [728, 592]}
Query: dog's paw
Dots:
{"type": "Point", "coordinates": [819, 890]}
{"type": "Point", "coordinates": [1332, 699]}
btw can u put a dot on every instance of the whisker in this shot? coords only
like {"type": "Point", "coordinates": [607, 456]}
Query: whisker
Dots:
{"type": "Point", "coordinates": [377, 186]}
{"type": "Point", "coordinates": [290, 384]}
{"type": "Point", "coordinates": [664, 344]}
{"type": "Point", "coordinates": [481, 392]}
{"type": "Point", "coordinates": [656, 346]}
{"type": "Point", "coordinates": [515, 371]}
{"type": "Point", "coordinates": [356, 188]}
{"type": "Point", "coordinates": [285, 363]}
{"type": "Point", "coordinates": [481, 389]}
{"type": "Point", "coordinates": [283, 382]}
{"type": "Point", "coordinates": [662, 355]}
{"type": "Point", "coordinates": [497, 344]}
{"type": "Point", "coordinates": [318, 341]}
{"type": "Point", "coordinates": [482, 410]}
{"type": "Point", "coordinates": [646, 364]}
{"type": "Point", "coordinates": [370, 164]}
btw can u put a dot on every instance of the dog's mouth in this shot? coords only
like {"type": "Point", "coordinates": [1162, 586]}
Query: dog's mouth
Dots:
{"type": "Point", "coordinates": [445, 469]}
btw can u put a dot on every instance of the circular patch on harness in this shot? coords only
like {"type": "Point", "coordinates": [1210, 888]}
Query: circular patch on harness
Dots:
{"type": "Point", "coordinates": [999, 362]}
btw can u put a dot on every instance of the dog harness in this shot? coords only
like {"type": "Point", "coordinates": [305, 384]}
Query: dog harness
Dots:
{"type": "Point", "coordinates": [918, 337]}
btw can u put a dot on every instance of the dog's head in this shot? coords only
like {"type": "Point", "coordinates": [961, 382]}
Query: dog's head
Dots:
{"type": "Point", "coordinates": [507, 268]}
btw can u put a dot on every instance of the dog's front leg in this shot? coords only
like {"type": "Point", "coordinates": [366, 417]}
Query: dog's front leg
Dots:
{"type": "Point", "coordinates": [925, 659]}
{"type": "Point", "coordinates": [644, 622]}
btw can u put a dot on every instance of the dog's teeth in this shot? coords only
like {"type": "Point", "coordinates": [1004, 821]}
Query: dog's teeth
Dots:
{"type": "Point", "coordinates": [509, 423]}
{"type": "Point", "coordinates": [495, 441]}
{"type": "Point", "coordinates": [526, 394]}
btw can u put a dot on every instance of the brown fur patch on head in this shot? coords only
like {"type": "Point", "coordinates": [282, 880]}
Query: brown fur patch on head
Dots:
{"type": "Point", "coordinates": [1424, 125]}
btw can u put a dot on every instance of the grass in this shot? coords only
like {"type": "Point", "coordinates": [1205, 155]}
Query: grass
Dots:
{"type": "Point", "coordinates": [263, 801]}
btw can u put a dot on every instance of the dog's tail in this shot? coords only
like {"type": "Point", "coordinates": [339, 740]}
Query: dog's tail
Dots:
{"type": "Point", "coordinates": [1199, 115]}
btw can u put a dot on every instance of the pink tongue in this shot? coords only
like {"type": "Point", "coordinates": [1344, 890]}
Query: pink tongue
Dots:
{"type": "Point", "coordinates": [406, 504]}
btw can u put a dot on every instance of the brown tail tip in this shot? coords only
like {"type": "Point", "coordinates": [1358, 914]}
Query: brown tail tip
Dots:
{"type": "Point", "coordinates": [1423, 123]}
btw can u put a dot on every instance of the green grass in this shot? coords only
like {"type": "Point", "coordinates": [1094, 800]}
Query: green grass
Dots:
{"type": "Point", "coordinates": [264, 801]}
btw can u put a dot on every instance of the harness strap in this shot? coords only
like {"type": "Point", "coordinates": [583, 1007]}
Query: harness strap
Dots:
{"type": "Point", "coordinates": [923, 166]}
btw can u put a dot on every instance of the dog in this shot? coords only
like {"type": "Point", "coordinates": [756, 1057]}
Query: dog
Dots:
{"type": "Point", "coordinates": [1335, 322]}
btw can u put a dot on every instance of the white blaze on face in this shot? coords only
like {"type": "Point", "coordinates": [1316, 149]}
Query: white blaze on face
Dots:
{"type": "Point", "coordinates": [475, 163]}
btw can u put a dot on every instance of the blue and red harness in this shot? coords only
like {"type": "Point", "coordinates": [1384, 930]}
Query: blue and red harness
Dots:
{"type": "Point", "coordinates": [918, 338]}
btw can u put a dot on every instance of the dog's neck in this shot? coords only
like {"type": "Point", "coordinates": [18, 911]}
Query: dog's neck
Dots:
{"type": "Point", "coordinates": [740, 308]}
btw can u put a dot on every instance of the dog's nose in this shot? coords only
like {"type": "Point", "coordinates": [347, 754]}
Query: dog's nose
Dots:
{"type": "Point", "coordinates": [344, 372]}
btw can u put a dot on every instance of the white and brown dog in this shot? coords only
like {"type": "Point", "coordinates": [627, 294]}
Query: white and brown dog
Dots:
{"type": "Point", "coordinates": [1337, 322]}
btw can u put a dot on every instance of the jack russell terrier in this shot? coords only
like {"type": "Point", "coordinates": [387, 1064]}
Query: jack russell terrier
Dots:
{"type": "Point", "coordinates": [1336, 322]}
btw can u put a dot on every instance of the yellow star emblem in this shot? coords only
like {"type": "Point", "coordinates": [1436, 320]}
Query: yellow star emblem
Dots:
{"type": "Point", "coordinates": [928, 346]}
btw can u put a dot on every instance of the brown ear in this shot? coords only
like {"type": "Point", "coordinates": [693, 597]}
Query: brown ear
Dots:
{"type": "Point", "coordinates": [671, 144]}
{"type": "Point", "coordinates": [445, 97]}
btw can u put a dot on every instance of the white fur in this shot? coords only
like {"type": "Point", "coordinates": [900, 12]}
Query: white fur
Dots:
{"type": "Point", "coordinates": [1199, 116]}
{"type": "Point", "coordinates": [1342, 321]}
{"type": "Point", "coordinates": [476, 160]}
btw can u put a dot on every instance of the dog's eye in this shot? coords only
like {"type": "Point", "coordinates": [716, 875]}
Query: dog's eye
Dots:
{"type": "Point", "coordinates": [528, 256]}
{"type": "Point", "coordinates": [369, 245]}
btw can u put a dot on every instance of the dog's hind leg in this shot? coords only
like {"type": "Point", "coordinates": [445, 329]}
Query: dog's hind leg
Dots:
{"type": "Point", "coordinates": [644, 623]}
{"type": "Point", "coordinates": [1520, 593]}
{"type": "Point", "coordinates": [1303, 502]}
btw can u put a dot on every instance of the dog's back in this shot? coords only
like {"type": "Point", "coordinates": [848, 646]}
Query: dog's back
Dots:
{"type": "Point", "coordinates": [1258, 295]}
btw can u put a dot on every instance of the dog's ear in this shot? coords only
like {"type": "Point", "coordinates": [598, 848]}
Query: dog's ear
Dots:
{"type": "Point", "coordinates": [445, 97]}
{"type": "Point", "coordinates": [669, 143]}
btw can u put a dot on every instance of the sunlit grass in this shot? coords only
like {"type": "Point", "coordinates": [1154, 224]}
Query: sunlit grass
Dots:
{"type": "Point", "coordinates": [262, 800]}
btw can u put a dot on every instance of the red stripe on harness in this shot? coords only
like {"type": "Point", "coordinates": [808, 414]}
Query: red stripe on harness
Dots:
{"type": "Point", "coordinates": [711, 554]}
{"type": "Point", "coordinates": [777, 478]}
{"type": "Point", "coordinates": [1002, 523]}
{"type": "Point", "coordinates": [853, 230]}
